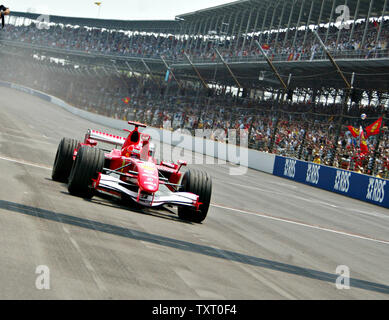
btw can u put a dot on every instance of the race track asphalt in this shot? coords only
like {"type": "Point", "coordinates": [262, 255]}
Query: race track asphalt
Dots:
{"type": "Point", "coordinates": [264, 237]}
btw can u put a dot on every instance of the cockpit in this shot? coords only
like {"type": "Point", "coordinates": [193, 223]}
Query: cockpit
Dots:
{"type": "Point", "coordinates": [139, 146]}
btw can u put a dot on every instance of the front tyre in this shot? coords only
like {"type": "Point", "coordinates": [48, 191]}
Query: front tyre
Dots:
{"type": "Point", "coordinates": [64, 159]}
{"type": "Point", "coordinates": [200, 183]}
{"type": "Point", "coordinates": [88, 164]}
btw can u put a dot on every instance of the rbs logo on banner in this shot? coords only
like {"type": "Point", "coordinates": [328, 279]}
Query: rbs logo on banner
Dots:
{"type": "Point", "coordinates": [342, 181]}
{"type": "Point", "coordinates": [375, 190]}
{"type": "Point", "coordinates": [313, 174]}
{"type": "Point", "coordinates": [290, 168]}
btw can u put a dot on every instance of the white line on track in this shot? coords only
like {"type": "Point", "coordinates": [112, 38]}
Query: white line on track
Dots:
{"type": "Point", "coordinates": [25, 163]}
{"type": "Point", "coordinates": [302, 224]}
{"type": "Point", "coordinates": [281, 194]}
{"type": "Point", "coordinates": [27, 138]}
{"type": "Point", "coordinates": [314, 201]}
{"type": "Point", "coordinates": [262, 215]}
{"type": "Point", "coordinates": [88, 265]}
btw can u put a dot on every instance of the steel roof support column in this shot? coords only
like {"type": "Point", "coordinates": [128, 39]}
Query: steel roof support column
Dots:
{"type": "Point", "coordinates": [272, 21]}
{"type": "Point", "coordinates": [198, 34]}
{"type": "Point", "coordinates": [382, 22]}
{"type": "Point", "coordinates": [239, 30]}
{"type": "Point", "coordinates": [194, 34]}
{"type": "Point", "coordinates": [132, 38]}
{"type": "Point", "coordinates": [191, 35]}
{"type": "Point", "coordinates": [201, 33]}
{"type": "Point", "coordinates": [355, 19]}
{"type": "Point", "coordinates": [220, 32]}
{"type": "Point", "coordinates": [190, 30]}
{"type": "Point", "coordinates": [320, 16]}
{"type": "Point", "coordinates": [215, 29]}
{"type": "Point", "coordinates": [289, 22]}
{"type": "Point", "coordinates": [279, 24]}
{"type": "Point", "coordinates": [247, 30]}
{"type": "Point", "coordinates": [99, 38]}
{"type": "Point", "coordinates": [182, 34]}
{"type": "Point", "coordinates": [309, 19]}
{"type": "Point", "coordinates": [263, 23]}
{"type": "Point", "coordinates": [212, 28]}
{"type": "Point", "coordinates": [329, 22]}
{"type": "Point", "coordinates": [217, 23]}
{"type": "Point", "coordinates": [298, 23]}
{"type": "Point", "coordinates": [255, 28]}
{"type": "Point", "coordinates": [186, 34]}
{"type": "Point", "coordinates": [107, 40]}
{"type": "Point", "coordinates": [228, 29]}
{"type": "Point", "coordinates": [233, 30]}
{"type": "Point", "coordinates": [321, 12]}
{"type": "Point", "coordinates": [367, 24]}
{"type": "Point", "coordinates": [207, 26]}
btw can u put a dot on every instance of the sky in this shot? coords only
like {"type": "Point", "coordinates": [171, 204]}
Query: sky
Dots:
{"type": "Point", "coordinates": [113, 9]}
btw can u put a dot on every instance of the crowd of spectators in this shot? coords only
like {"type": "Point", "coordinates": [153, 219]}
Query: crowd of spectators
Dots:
{"type": "Point", "coordinates": [304, 130]}
{"type": "Point", "coordinates": [303, 46]}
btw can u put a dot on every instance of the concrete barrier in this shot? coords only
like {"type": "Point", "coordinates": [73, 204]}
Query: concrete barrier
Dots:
{"type": "Point", "coordinates": [244, 157]}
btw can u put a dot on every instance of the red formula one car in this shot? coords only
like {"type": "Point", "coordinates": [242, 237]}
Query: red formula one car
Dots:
{"type": "Point", "coordinates": [131, 173]}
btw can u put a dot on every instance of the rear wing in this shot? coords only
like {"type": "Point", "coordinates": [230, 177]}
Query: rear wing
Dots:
{"type": "Point", "coordinates": [104, 137]}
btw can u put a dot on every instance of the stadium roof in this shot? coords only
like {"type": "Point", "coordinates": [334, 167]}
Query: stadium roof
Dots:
{"type": "Point", "coordinates": [235, 17]}
{"type": "Point", "coordinates": [168, 26]}
{"type": "Point", "coordinates": [275, 13]}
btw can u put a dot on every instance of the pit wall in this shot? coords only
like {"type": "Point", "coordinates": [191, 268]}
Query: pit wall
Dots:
{"type": "Point", "coordinates": [351, 184]}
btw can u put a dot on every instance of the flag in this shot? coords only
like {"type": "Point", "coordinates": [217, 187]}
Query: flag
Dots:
{"type": "Point", "coordinates": [265, 47]}
{"type": "Point", "coordinates": [354, 131]}
{"type": "Point", "coordinates": [290, 57]}
{"type": "Point", "coordinates": [98, 3]}
{"type": "Point", "coordinates": [167, 76]}
{"type": "Point", "coordinates": [374, 128]}
{"type": "Point", "coordinates": [362, 142]}
{"type": "Point", "coordinates": [126, 100]}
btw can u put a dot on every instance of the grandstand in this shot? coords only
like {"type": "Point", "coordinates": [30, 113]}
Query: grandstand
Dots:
{"type": "Point", "coordinates": [217, 48]}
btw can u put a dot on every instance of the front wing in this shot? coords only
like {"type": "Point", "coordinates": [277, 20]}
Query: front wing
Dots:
{"type": "Point", "coordinates": [115, 187]}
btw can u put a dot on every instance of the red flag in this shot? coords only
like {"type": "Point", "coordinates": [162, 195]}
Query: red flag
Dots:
{"type": "Point", "coordinates": [126, 100]}
{"type": "Point", "coordinates": [374, 128]}
{"type": "Point", "coordinates": [363, 143]}
{"type": "Point", "coordinates": [290, 57]}
{"type": "Point", "coordinates": [265, 47]}
{"type": "Point", "coordinates": [354, 131]}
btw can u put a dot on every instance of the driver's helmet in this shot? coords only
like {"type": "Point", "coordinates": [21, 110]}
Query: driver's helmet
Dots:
{"type": "Point", "coordinates": [152, 150]}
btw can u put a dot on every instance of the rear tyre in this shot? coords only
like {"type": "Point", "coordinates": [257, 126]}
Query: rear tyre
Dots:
{"type": "Point", "coordinates": [89, 162]}
{"type": "Point", "coordinates": [200, 183]}
{"type": "Point", "coordinates": [64, 159]}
